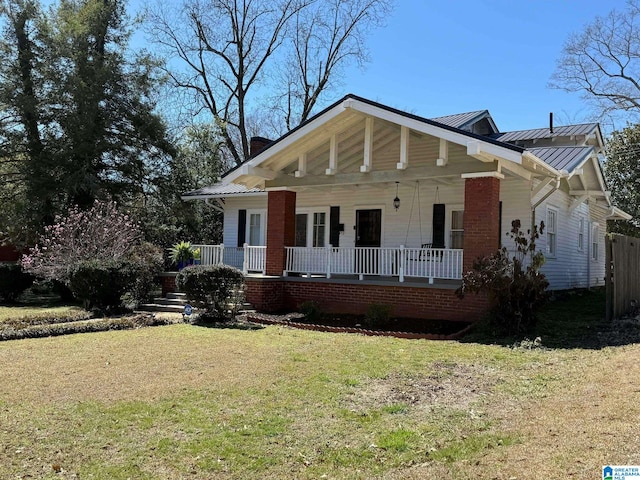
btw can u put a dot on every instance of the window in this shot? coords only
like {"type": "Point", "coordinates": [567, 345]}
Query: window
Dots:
{"type": "Point", "coordinates": [319, 229]}
{"type": "Point", "coordinates": [552, 223]}
{"type": "Point", "coordinates": [581, 234]}
{"type": "Point", "coordinates": [595, 241]}
{"type": "Point", "coordinates": [311, 229]}
{"type": "Point", "coordinates": [301, 229]}
{"type": "Point", "coordinates": [255, 229]}
{"type": "Point", "coordinates": [457, 229]}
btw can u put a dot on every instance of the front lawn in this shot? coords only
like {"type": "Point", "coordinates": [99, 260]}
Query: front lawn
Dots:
{"type": "Point", "coordinates": [187, 402]}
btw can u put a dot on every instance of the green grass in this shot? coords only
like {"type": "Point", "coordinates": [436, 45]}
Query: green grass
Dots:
{"type": "Point", "coordinates": [187, 402]}
{"type": "Point", "coordinates": [35, 314]}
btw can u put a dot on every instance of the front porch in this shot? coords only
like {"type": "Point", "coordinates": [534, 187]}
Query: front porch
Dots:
{"type": "Point", "coordinates": [388, 264]}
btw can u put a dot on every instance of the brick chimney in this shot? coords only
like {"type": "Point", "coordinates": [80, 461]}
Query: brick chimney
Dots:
{"type": "Point", "coordinates": [257, 144]}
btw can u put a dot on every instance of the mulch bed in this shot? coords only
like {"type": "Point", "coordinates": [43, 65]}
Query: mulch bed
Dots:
{"type": "Point", "coordinates": [400, 328]}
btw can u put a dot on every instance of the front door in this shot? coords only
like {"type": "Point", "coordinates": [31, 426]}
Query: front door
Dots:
{"type": "Point", "coordinates": [368, 227]}
{"type": "Point", "coordinates": [368, 234]}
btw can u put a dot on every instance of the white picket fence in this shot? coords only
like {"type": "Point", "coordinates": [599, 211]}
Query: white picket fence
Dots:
{"type": "Point", "coordinates": [401, 262]}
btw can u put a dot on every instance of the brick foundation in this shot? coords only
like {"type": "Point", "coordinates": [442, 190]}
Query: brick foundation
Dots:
{"type": "Point", "coordinates": [271, 295]}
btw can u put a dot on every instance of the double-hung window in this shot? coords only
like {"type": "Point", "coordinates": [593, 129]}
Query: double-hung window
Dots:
{"type": "Point", "coordinates": [311, 229]}
{"type": "Point", "coordinates": [457, 229]}
{"type": "Point", "coordinates": [581, 234]}
{"type": "Point", "coordinates": [595, 229]}
{"type": "Point", "coordinates": [552, 232]}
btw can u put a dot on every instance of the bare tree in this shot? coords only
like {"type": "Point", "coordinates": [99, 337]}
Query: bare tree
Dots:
{"type": "Point", "coordinates": [229, 54]}
{"type": "Point", "coordinates": [326, 36]}
{"type": "Point", "coordinates": [603, 62]}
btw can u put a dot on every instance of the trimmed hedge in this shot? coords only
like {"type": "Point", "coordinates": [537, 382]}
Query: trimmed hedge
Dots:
{"type": "Point", "coordinates": [13, 281]}
{"type": "Point", "coordinates": [217, 289]}
{"type": "Point", "coordinates": [101, 325]}
{"type": "Point", "coordinates": [101, 284]}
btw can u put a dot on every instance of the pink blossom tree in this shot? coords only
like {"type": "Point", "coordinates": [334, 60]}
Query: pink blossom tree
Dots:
{"type": "Point", "coordinates": [101, 233]}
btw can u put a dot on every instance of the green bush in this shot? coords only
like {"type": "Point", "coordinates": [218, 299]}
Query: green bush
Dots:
{"type": "Point", "coordinates": [13, 281]}
{"type": "Point", "coordinates": [216, 289]}
{"type": "Point", "coordinates": [377, 314]}
{"type": "Point", "coordinates": [147, 263]}
{"type": "Point", "coordinates": [101, 284]}
{"type": "Point", "coordinates": [312, 311]}
{"type": "Point", "coordinates": [516, 293]}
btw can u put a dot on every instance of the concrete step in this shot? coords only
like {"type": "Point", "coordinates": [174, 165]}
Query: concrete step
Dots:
{"type": "Point", "coordinates": [156, 307]}
{"type": "Point", "coordinates": [170, 301]}
{"type": "Point", "coordinates": [177, 296]}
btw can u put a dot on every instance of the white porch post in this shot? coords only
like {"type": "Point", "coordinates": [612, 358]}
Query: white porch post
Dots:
{"type": "Point", "coordinates": [329, 249]}
{"type": "Point", "coordinates": [245, 260]}
{"type": "Point", "coordinates": [401, 264]}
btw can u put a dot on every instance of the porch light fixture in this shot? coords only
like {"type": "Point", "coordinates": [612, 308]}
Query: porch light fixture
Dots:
{"type": "Point", "coordinates": [396, 201]}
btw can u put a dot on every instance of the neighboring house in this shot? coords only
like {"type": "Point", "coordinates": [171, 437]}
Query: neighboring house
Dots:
{"type": "Point", "coordinates": [313, 214]}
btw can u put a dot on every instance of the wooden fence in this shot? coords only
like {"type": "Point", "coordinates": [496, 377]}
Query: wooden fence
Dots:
{"type": "Point", "coordinates": [623, 274]}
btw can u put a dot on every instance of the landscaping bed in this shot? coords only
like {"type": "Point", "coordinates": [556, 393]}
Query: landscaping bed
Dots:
{"type": "Point", "coordinates": [396, 327]}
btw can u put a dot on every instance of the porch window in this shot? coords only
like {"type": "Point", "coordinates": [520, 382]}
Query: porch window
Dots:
{"type": "Point", "coordinates": [594, 241]}
{"type": "Point", "coordinates": [581, 234]}
{"type": "Point", "coordinates": [552, 222]}
{"type": "Point", "coordinates": [319, 229]}
{"type": "Point", "coordinates": [457, 229]}
{"type": "Point", "coordinates": [255, 229]}
{"type": "Point", "coordinates": [301, 229]}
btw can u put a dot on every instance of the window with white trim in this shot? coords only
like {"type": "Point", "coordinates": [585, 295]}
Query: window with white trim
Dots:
{"type": "Point", "coordinates": [552, 231]}
{"type": "Point", "coordinates": [319, 229]}
{"type": "Point", "coordinates": [255, 229]}
{"type": "Point", "coordinates": [581, 234]}
{"type": "Point", "coordinates": [311, 229]}
{"type": "Point", "coordinates": [595, 231]}
{"type": "Point", "coordinates": [457, 229]}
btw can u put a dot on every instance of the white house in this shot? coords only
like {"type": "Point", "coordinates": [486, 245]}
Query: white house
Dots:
{"type": "Point", "coordinates": [367, 204]}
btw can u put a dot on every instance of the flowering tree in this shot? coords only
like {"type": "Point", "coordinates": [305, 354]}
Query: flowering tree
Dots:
{"type": "Point", "coordinates": [101, 233]}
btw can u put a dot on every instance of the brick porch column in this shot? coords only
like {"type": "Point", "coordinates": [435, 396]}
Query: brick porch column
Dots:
{"type": "Point", "coordinates": [481, 218]}
{"type": "Point", "coordinates": [281, 223]}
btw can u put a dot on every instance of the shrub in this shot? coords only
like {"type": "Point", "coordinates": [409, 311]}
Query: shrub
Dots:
{"type": "Point", "coordinates": [147, 262]}
{"type": "Point", "coordinates": [377, 314]}
{"type": "Point", "coordinates": [216, 289]}
{"type": "Point", "coordinates": [13, 281]}
{"type": "Point", "coordinates": [312, 311]}
{"type": "Point", "coordinates": [516, 293]}
{"type": "Point", "coordinates": [101, 284]}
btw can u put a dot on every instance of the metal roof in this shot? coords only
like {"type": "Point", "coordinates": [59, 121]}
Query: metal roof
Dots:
{"type": "Point", "coordinates": [539, 133]}
{"type": "Point", "coordinates": [221, 190]}
{"type": "Point", "coordinates": [562, 158]}
{"type": "Point", "coordinates": [460, 120]}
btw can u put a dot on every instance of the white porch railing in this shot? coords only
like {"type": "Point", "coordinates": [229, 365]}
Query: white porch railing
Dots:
{"type": "Point", "coordinates": [249, 259]}
{"type": "Point", "coordinates": [401, 262]}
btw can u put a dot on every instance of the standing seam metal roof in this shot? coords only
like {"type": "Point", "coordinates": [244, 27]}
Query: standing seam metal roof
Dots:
{"type": "Point", "coordinates": [539, 133]}
{"type": "Point", "coordinates": [460, 120]}
{"type": "Point", "coordinates": [562, 158]}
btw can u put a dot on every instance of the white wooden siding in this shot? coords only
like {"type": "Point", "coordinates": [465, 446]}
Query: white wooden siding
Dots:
{"type": "Point", "coordinates": [571, 268]}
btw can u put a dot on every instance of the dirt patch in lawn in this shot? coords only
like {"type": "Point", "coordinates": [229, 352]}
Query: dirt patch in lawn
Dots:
{"type": "Point", "coordinates": [450, 384]}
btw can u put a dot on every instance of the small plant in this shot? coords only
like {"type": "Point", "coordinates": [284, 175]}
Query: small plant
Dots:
{"type": "Point", "coordinates": [516, 292]}
{"type": "Point", "coordinates": [377, 314]}
{"type": "Point", "coordinates": [311, 310]}
{"type": "Point", "coordinates": [182, 254]}
{"type": "Point", "coordinates": [217, 289]}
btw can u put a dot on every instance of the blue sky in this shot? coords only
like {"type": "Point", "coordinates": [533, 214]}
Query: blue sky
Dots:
{"type": "Point", "coordinates": [441, 57]}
